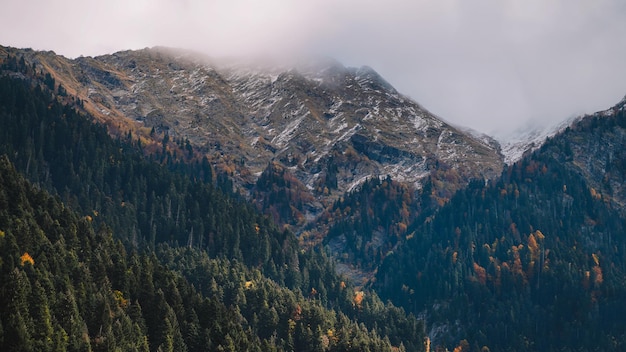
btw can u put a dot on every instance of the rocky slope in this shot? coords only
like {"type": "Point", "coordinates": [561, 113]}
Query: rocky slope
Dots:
{"type": "Point", "coordinates": [329, 126]}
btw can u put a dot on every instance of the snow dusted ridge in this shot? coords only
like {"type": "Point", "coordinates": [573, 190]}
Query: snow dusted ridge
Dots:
{"type": "Point", "coordinates": [515, 144]}
{"type": "Point", "coordinates": [318, 110]}
{"type": "Point", "coordinates": [619, 106]}
{"type": "Point", "coordinates": [307, 117]}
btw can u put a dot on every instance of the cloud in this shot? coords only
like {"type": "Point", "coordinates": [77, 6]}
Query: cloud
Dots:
{"type": "Point", "coordinates": [487, 64]}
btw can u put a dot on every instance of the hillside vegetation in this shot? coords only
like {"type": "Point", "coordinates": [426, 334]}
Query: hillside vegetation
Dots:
{"type": "Point", "coordinates": [147, 254]}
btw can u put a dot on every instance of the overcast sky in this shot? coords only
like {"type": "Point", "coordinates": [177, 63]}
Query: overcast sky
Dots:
{"type": "Point", "coordinates": [492, 65]}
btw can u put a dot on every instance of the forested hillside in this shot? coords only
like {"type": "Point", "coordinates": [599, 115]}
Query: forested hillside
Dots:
{"type": "Point", "coordinates": [595, 146]}
{"type": "Point", "coordinates": [366, 224]}
{"type": "Point", "coordinates": [174, 263]}
{"type": "Point", "coordinates": [532, 262]}
{"type": "Point", "coordinates": [136, 243]}
{"type": "Point", "coordinates": [68, 286]}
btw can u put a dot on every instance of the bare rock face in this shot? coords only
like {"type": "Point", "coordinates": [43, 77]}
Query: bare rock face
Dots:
{"type": "Point", "coordinates": [329, 126]}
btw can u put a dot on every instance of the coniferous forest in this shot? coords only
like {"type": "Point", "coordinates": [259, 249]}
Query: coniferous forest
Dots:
{"type": "Point", "coordinates": [105, 249]}
{"type": "Point", "coordinates": [531, 262]}
{"type": "Point", "coordinates": [108, 246]}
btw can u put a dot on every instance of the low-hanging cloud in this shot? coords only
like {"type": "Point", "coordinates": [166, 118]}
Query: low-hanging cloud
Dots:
{"type": "Point", "coordinates": [493, 65]}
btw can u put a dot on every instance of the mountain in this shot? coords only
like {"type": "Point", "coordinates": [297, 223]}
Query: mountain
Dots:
{"type": "Point", "coordinates": [529, 257]}
{"type": "Point", "coordinates": [109, 249]}
{"type": "Point", "coordinates": [533, 260]}
{"type": "Point", "coordinates": [329, 126]}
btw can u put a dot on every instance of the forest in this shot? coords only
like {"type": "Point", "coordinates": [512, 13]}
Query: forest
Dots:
{"type": "Point", "coordinates": [106, 247]}
{"type": "Point", "coordinates": [534, 261]}
{"type": "Point", "coordinates": [110, 244]}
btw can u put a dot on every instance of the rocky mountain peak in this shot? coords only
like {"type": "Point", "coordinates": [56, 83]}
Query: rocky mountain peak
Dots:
{"type": "Point", "coordinates": [330, 126]}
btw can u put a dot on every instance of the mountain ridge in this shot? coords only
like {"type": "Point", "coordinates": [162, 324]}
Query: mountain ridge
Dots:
{"type": "Point", "coordinates": [518, 143]}
{"type": "Point", "coordinates": [242, 119]}
{"type": "Point", "coordinates": [532, 259]}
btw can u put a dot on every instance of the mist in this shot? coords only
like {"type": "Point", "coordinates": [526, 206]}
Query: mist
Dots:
{"type": "Point", "coordinates": [494, 66]}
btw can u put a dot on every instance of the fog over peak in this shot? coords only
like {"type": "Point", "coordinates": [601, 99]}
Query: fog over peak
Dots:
{"type": "Point", "coordinates": [486, 64]}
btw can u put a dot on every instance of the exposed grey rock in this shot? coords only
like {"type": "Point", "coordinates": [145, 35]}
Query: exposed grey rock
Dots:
{"type": "Point", "coordinates": [301, 116]}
